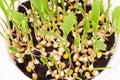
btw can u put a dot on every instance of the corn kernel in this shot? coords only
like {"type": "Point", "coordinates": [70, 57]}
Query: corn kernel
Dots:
{"type": "Point", "coordinates": [54, 73]}
{"type": "Point", "coordinates": [86, 14]}
{"type": "Point", "coordinates": [63, 64]}
{"type": "Point", "coordinates": [87, 74]}
{"type": "Point", "coordinates": [71, 71]}
{"type": "Point", "coordinates": [11, 53]}
{"type": "Point", "coordinates": [39, 46]}
{"type": "Point", "coordinates": [81, 70]}
{"type": "Point", "coordinates": [65, 56]}
{"type": "Point", "coordinates": [43, 49]}
{"type": "Point", "coordinates": [34, 76]}
{"type": "Point", "coordinates": [28, 69]}
{"type": "Point", "coordinates": [84, 67]}
{"type": "Point", "coordinates": [62, 74]}
{"type": "Point", "coordinates": [51, 63]}
{"type": "Point", "coordinates": [31, 65]}
{"type": "Point", "coordinates": [35, 61]}
{"type": "Point", "coordinates": [55, 19]}
{"type": "Point", "coordinates": [78, 63]}
{"type": "Point", "coordinates": [71, 7]}
{"type": "Point", "coordinates": [70, 0]}
{"type": "Point", "coordinates": [95, 72]}
{"type": "Point", "coordinates": [91, 58]}
{"type": "Point", "coordinates": [60, 9]}
{"type": "Point", "coordinates": [57, 57]}
{"type": "Point", "coordinates": [20, 60]}
{"type": "Point", "coordinates": [17, 55]}
{"type": "Point", "coordinates": [90, 50]}
{"type": "Point", "coordinates": [48, 44]}
{"type": "Point", "coordinates": [60, 45]}
{"type": "Point", "coordinates": [57, 76]}
{"type": "Point", "coordinates": [43, 42]}
{"type": "Point", "coordinates": [74, 59]}
{"type": "Point", "coordinates": [90, 68]}
{"type": "Point", "coordinates": [57, 32]}
{"type": "Point", "coordinates": [61, 17]}
{"type": "Point", "coordinates": [99, 54]}
{"type": "Point", "coordinates": [48, 72]}
{"type": "Point", "coordinates": [101, 19]}
{"type": "Point", "coordinates": [61, 49]}
{"type": "Point", "coordinates": [76, 69]}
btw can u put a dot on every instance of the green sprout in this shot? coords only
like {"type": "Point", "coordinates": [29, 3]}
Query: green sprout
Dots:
{"type": "Point", "coordinates": [56, 65]}
{"type": "Point", "coordinates": [71, 19]}
{"type": "Point", "coordinates": [45, 61]}
{"type": "Point", "coordinates": [102, 68]}
{"type": "Point", "coordinates": [77, 42]}
{"type": "Point", "coordinates": [64, 11]}
{"type": "Point", "coordinates": [95, 15]}
{"type": "Point", "coordinates": [13, 49]}
{"type": "Point", "coordinates": [116, 19]}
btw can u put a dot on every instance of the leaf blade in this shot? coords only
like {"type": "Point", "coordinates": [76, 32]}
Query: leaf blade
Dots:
{"type": "Point", "coordinates": [116, 19]}
{"type": "Point", "coordinates": [100, 45]}
{"type": "Point", "coordinates": [70, 18]}
{"type": "Point", "coordinates": [95, 14]}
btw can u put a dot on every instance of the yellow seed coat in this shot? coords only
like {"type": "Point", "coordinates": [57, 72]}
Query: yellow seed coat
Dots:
{"type": "Point", "coordinates": [34, 76]}
{"type": "Point", "coordinates": [65, 56]}
{"type": "Point", "coordinates": [28, 69]}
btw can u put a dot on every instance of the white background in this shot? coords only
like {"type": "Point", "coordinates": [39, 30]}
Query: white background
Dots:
{"type": "Point", "coordinates": [8, 71]}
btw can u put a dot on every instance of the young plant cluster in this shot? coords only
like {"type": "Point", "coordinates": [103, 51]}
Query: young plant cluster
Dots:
{"type": "Point", "coordinates": [60, 39]}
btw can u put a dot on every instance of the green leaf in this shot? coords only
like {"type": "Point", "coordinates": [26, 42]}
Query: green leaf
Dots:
{"type": "Point", "coordinates": [95, 14]}
{"type": "Point", "coordinates": [86, 28]}
{"type": "Point", "coordinates": [16, 16]}
{"type": "Point", "coordinates": [52, 59]}
{"type": "Point", "coordinates": [116, 18]}
{"type": "Point", "coordinates": [64, 11]}
{"type": "Point", "coordinates": [1, 34]}
{"type": "Point", "coordinates": [68, 23]}
{"type": "Point", "coordinates": [15, 50]}
{"type": "Point", "coordinates": [6, 38]}
{"type": "Point", "coordinates": [79, 78]}
{"type": "Point", "coordinates": [53, 3]}
{"type": "Point", "coordinates": [68, 72]}
{"type": "Point", "coordinates": [81, 9]}
{"type": "Point", "coordinates": [108, 8]}
{"type": "Point", "coordinates": [12, 3]}
{"type": "Point", "coordinates": [50, 33]}
{"type": "Point", "coordinates": [109, 3]}
{"type": "Point", "coordinates": [41, 7]}
{"type": "Point", "coordinates": [2, 6]}
{"type": "Point", "coordinates": [67, 50]}
{"type": "Point", "coordinates": [54, 35]}
{"type": "Point", "coordinates": [100, 45]}
{"type": "Point", "coordinates": [101, 7]}
{"type": "Point", "coordinates": [24, 26]}
{"type": "Point", "coordinates": [77, 42]}
{"type": "Point", "coordinates": [45, 61]}
{"type": "Point", "coordinates": [102, 68]}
